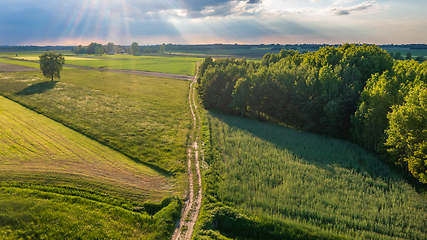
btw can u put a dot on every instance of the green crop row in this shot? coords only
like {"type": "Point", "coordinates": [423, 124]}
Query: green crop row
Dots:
{"type": "Point", "coordinates": [267, 179]}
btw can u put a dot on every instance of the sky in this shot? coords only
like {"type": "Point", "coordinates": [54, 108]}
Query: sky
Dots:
{"type": "Point", "coordinates": [74, 22]}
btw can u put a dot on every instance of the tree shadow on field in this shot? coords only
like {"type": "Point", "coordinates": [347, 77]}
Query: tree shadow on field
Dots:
{"type": "Point", "coordinates": [321, 151]}
{"type": "Point", "coordinates": [38, 88]}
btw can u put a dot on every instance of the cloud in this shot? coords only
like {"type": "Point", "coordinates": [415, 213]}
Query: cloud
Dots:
{"type": "Point", "coordinates": [253, 1]}
{"type": "Point", "coordinates": [358, 8]}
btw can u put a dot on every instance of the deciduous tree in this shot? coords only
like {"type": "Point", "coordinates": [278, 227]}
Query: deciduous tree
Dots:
{"type": "Point", "coordinates": [407, 133]}
{"type": "Point", "coordinates": [51, 64]}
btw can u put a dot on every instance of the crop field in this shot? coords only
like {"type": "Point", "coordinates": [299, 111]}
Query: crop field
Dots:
{"type": "Point", "coordinates": [301, 179]}
{"type": "Point", "coordinates": [30, 142]}
{"type": "Point", "coordinates": [56, 183]}
{"type": "Point", "coordinates": [415, 52]}
{"type": "Point", "coordinates": [146, 118]}
{"type": "Point", "coordinates": [175, 65]}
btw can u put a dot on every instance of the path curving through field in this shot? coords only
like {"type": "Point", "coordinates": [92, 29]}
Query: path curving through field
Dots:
{"type": "Point", "coordinates": [185, 226]}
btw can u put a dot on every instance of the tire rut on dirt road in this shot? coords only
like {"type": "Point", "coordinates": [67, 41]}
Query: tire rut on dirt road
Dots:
{"type": "Point", "coordinates": [185, 226]}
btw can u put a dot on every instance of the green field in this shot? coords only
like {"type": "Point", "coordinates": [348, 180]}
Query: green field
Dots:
{"type": "Point", "coordinates": [301, 185]}
{"type": "Point", "coordinates": [165, 64]}
{"type": "Point", "coordinates": [415, 52]}
{"type": "Point", "coordinates": [56, 183]}
{"type": "Point", "coordinates": [32, 143]}
{"type": "Point", "coordinates": [146, 118]}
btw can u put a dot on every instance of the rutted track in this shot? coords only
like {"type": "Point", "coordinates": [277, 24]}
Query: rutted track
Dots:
{"type": "Point", "coordinates": [190, 213]}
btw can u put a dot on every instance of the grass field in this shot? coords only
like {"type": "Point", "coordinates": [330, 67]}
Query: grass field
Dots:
{"type": "Point", "coordinates": [165, 64]}
{"type": "Point", "coordinates": [175, 65]}
{"type": "Point", "coordinates": [67, 58]}
{"type": "Point", "coordinates": [27, 64]}
{"type": "Point", "coordinates": [30, 142]}
{"type": "Point", "coordinates": [58, 184]}
{"type": "Point", "coordinates": [31, 214]}
{"type": "Point", "coordinates": [301, 179]}
{"type": "Point", "coordinates": [415, 52]}
{"type": "Point", "coordinates": [145, 118]}
{"type": "Point", "coordinates": [21, 63]}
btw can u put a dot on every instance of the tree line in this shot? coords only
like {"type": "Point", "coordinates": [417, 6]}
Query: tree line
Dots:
{"type": "Point", "coordinates": [355, 92]}
{"type": "Point", "coordinates": [111, 48]}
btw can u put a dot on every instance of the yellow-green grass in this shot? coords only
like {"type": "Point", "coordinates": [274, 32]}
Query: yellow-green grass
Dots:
{"type": "Point", "coordinates": [24, 63]}
{"type": "Point", "coordinates": [146, 118]}
{"type": "Point", "coordinates": [173, 64]}
{"type": "Point", "coordinates": [36, 58]}
{"type": "Point", "coordinates": [32, 214]}
{"type": "Point", "coordinates": [33, 146]}
{"type": "Point", "coordinates": [286, 176]}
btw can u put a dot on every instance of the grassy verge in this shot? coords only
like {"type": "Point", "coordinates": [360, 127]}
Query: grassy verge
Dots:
{"type": "Point", "coordinates": [268, 180]}
{"type": "Point", "coordinates": [37, 214]}
{"type": "Point", "coordinates": [145, 118]}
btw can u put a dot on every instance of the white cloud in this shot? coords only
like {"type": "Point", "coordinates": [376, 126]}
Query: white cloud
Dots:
{"type": "Point", "coordinates": [363, 7]}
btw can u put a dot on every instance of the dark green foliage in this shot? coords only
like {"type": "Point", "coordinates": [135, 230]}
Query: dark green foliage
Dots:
{"type": "Point", "coordinates": [381, 93]}
{"type": "Point", "coordinates": [134, 49]}
{"type": "Point", "coordinates": [407, 134]}
{"type": "Point", "coordinates": [316, 91]}
{"type": "Point", "coordinates": [51, 64]}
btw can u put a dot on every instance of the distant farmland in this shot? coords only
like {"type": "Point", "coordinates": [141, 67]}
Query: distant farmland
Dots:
{"type": "Point", "coordinates": [165, 64]}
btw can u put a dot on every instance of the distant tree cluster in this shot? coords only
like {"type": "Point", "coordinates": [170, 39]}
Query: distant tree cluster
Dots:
{"type": "Point", "coordinates": [111, 48]}
{"type": "Point", "coordinates": [351, 91]}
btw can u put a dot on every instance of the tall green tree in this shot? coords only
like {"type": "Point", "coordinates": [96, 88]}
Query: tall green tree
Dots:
{"type": "Point", "coordinates": [397, 56]}
{"type": "Point", "coordinates": [51, 64]}
{"type": "Point", "coordinates": [134, 49]}
{"type": "Point", "coordinates": [111, 47]}
{"type": "Point", "coordinates": [408, 56]}
{"type": "Point", "coordinates": [241, 95]}
{"type": "Point", "coordinates": [91, 49]}
{"type": "Point", "coordinates": [162, 48]}
{"type": "Point", "coordinates": [407, 133]}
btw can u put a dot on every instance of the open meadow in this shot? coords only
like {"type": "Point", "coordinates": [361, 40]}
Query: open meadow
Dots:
{"type": "Point", "coordinates": [108, 162]}
{"type": "Point", "coordinates": [146, 118]}
{"type": "Point", "coordinates": [300, 185]}
{"type": "Point", "coordinates": [164, 63]}
{"type": "Point", "coordinates": [52, 174]}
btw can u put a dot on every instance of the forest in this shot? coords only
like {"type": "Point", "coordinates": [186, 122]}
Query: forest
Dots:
{"type": "Point", "coordinates": [353, 92]}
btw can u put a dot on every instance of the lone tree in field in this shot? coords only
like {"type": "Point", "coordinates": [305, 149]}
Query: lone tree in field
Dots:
{"type": "Point", "coordinates": [51, 64]}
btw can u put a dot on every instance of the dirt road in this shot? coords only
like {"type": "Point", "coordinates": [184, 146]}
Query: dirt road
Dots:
{"type": "Point", "coordinates": [190, 213]}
